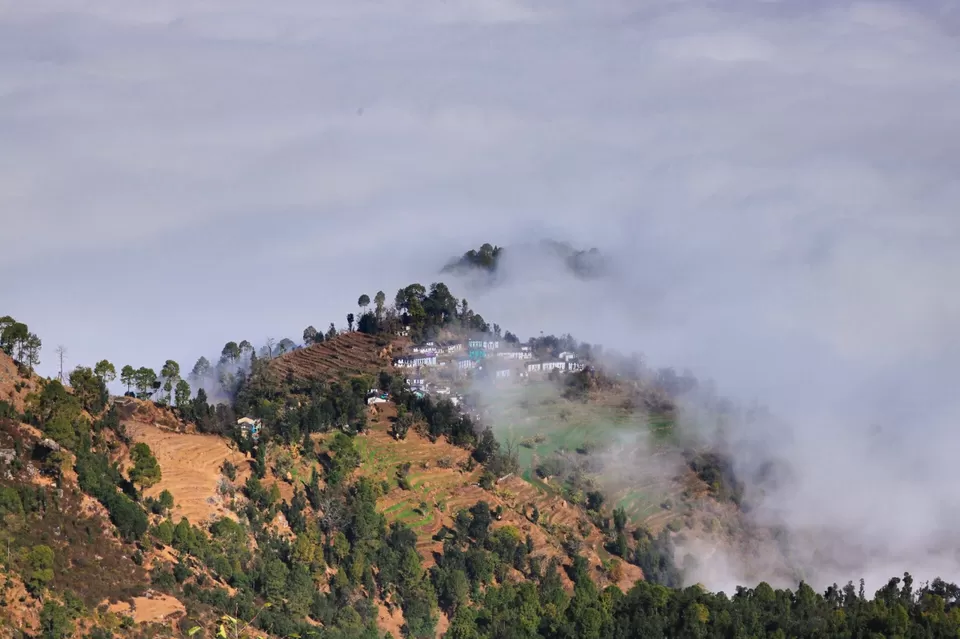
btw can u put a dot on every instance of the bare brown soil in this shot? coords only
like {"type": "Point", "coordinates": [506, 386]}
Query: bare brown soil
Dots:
{"type": "Point", "coordinates": [190, 466]}
{"type": "Point", "coordinates": [443, 623]}
{"type": "Point", "coordinates": [21, 610]}
{"type": "Point", "coordinates": [150, 608]}
{"type": "Point", "coordinates": [390, 619]}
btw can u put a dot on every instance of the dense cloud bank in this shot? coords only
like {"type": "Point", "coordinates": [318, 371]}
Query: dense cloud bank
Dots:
{"type": "Point", "coordinates": [773, 183]}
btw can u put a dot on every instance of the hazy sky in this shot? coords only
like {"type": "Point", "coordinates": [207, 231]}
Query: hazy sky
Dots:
{"type": "Point", "coordinates": [176, 174]}
{"type": "Point", "coordinates": [777, 182]}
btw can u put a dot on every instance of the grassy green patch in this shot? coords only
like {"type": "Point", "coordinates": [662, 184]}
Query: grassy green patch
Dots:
{"type": "Point", "coordinates": [405, 511]}
{"type": "Point", "coordinates": [662, 428]}
{"type": "Point", "coordinates": [642, 503]}
{"type": "Point", "coordinates": [536, 415]}
{"type": "Point", "coordinates": [547, 423]}
{"type": "Point", "coordinates": [426, 521]}
{"type": "Point", "coordinates": [396, 507]}
{"type": "Point", "coordinates": [530, 476]}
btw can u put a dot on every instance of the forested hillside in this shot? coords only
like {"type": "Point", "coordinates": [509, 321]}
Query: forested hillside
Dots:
{"type": "Point", "coordinates": [357, 502]}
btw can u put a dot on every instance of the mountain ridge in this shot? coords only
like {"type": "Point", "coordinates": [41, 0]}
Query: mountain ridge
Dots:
{"type": "Point", "coordinates": [479, 493]}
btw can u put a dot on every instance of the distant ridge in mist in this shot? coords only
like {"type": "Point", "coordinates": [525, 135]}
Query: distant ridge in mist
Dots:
{"type": "Point", "coordinates": [584, 264]}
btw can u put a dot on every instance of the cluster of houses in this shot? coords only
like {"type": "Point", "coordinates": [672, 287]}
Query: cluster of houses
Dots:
{"type": "Point", "coordinates": [448, 348]}
{"type": "Point", "coordinates": [426, 354]}
{"type": "Point", "coordinates": [416, 360]}
{"type": "Point", "coordinates": [475, 353]}
{"type": "Point", "coordinates": [533, 368]}
{"type": "Point", "coordinates": [481, 353]}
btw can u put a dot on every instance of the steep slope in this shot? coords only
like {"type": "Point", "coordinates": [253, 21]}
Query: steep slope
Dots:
{"type": "Point", "coordinates": [426, 484]}
{"type": "Point", "coordinates": [351, 520]}
{"type": "Point", "coordinates": [191, 469]}
{"type": "Point", "coordinates": [43, 505]}
{"type": "Point", "coordinates": [351, 353]}
{"type": "Point", "coordinates": [14, 387]}
{"type": "Point", "coordinates": [440, 486]}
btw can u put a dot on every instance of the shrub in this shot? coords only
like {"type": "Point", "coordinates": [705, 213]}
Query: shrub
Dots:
{"type": "Point", "coordinates": [7, 411]}
{"type": "Point", "coordinates": [164, 532]}
{"type": "Point", "coordinates": [55, 621]}
{"type": "Point", "coordinates": [10, 502]}
{"type": "Point", "coordinates": [162, 504]}
{"type": "Point", "coordinates": [229, 470]}
{"type": "Point", "coordinates": [225, 488]}
{"type": "Point", "coordinates": [165, 500]}
{"type": "Point", "coordinates": [181, 572]}
{"type": "Point", "coordinates": [146, 469]}
{"type": "Point", "coordinates": [283, 465]}
{"type": "Point", "coordinates": [162, 578]}
{"type": "Point", "coordinates": [487, 480]}
{"type": "Point", "coordinates": [40, 562]}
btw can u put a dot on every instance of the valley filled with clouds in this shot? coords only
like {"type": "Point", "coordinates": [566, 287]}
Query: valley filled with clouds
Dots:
{"type": "Point", "coordinates": [775, 184]}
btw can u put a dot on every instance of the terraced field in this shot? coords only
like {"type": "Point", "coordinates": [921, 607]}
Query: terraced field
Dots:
{"type": "Point", "coordinates": [542, 423]}
{"type": "Point", "coordinates": [190, 464]}
{"type": "Point", "coordinates": [556, 515]}
{"type": "Point", "coordinates": [537, 412]}
{"type": "Point", "coordinates": [652, 505]}
{"type": "Point", "coordinates": [346, 354]}
{"type": "Point", "coordinates": [437, 493]}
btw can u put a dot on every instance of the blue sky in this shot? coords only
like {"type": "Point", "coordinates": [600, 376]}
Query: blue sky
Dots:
{"type": "Point", "coordinates": [776, 181]}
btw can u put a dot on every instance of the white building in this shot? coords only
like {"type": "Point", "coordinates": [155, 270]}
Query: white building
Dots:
{"type": "Point", "coordinates": [574, 366]}
{"type": "Point", "coordinates": [250, 427]}
{"type": "Point", "coordinates": [466, 364]}
{"type": "Point", "coordinates": [428, 347]}
{"type": "Point", "coordinates": [452, 348]}
{"type": "Point", "coordinates": [534, 367]}
{"type": "Point", "coordinates": [567, 356]}
{"type": "Point", "coordinates": [503, 373]}
{"type": "Point", "coordinates": [416, 382]}
{"type": "Point", "coordinates": [484, 343]}
{"type": "Point", "coordinates": [520, 355]}
{"type": "Point", "coordinates": [554, 366]}
{"type": "Point", "coordinates": [415, 360]}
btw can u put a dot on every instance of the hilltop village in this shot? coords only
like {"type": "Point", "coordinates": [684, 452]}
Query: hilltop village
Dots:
{"type": "Point", "coordinates": [441, 368]}
{"type": "Point", "coordinates": [350, 489]}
